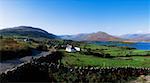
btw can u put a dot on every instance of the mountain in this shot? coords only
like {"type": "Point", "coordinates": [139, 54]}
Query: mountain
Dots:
{"type": "Point", "coordinates": [27, 31]}
{"type": "Point", "coordinates": [78, 37]}
{"type": "Point", "coordinates": [98, 36]}
{"type": "Point", "coordinates": [137, 37]}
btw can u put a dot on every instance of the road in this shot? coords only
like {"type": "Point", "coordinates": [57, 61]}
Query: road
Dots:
{"type": "Point", "coordinates": [9, 64]}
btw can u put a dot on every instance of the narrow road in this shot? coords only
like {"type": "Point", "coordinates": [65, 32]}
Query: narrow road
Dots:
{"type": "Point", "coordinates": [9, 64]}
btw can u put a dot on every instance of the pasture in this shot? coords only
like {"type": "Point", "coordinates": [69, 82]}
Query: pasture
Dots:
{"type": "Point", "coordinates": [118, 57]}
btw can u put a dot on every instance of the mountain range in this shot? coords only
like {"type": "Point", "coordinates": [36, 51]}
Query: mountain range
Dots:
{"type": "Point", "coordinates": [102, 36]}
{"type": "Point", "coordinates": [97, 36]}
{"type": "Point", "coordinates": [137, 37]}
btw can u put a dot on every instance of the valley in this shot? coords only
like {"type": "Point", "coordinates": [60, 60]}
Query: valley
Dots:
{"type": "Point", "coordinates": [51, 55]}
{"type": "Point", "coordinates": [75, 41]}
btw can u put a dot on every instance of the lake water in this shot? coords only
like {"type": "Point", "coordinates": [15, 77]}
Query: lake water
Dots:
{"type": "Point", "coordinates": [137, 45]}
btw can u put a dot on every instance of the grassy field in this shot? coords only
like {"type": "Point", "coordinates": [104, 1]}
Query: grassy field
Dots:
{"type": "Point", "coordinates": [122, 57]}
{"type": "Point", "coordinates": [115, 51]}
{"type": "Point", "coordinates": [77, 59]}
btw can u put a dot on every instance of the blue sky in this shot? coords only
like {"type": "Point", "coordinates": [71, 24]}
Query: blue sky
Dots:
{"type": "Point", "coordinates": [78, 16]}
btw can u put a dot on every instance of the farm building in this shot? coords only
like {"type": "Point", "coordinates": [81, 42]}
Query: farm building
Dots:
{"type": "Point", "coordinates": [70, 48]}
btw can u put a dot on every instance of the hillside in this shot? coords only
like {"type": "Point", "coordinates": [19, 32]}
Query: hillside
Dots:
{"type": "Point", "coordinates": [98, 36]}
{"type": "Point", "coordinates": [27, 31]}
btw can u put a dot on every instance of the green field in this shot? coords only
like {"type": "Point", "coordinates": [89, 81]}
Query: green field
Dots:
{"type": "Point", "coordinates": [115, 51]}
{"type": "Point", "coordinates": [76, 59]}
{"type": "Point", "coordinates": [121, 57]}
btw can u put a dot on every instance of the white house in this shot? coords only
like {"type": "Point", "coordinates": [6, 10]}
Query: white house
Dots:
{"type": "Point", "coordinates": [77, 48]}
{"type": "Point", "coordinates": [70, 48]}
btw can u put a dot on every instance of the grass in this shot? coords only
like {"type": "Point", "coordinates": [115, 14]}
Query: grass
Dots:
{"type": "Point", "coordinates": [115, 51]}
{"type": "Point", "coordinates": [77, 59]}
{"type": "Point", "coordinates": [140, 52]}
{"type": "Point", "coordinates": [122, 57]}
{"type": "Point", "coordinates": [10, 44]}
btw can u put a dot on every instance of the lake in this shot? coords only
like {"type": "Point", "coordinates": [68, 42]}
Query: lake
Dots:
{"type": "Point", "coordinates": [137, 45]}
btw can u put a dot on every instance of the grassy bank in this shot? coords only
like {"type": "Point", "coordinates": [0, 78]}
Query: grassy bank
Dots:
{"type": "Point", "coordinates": [9, 49]}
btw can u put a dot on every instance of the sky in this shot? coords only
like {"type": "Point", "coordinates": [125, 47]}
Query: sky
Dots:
{"type": "Point", "coordinates": [63, 17]}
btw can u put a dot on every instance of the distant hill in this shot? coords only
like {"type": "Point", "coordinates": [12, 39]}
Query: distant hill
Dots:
{"type": "Point", "coordinates": [27, 31]}
{"type": "Point", "coordinates": [137, 37]}
{"type": "Point", "coordinates": [98, 36]}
